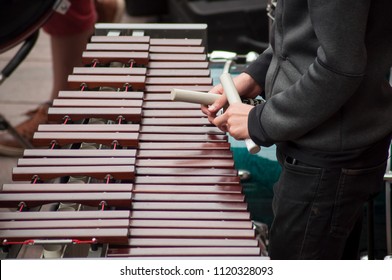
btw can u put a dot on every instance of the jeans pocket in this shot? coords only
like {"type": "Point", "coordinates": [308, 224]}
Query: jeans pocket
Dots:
{"type": "Point", "coordinates": [294, 193]}
{"type": "Point", "coordinates": [297, 184]}
{"type": "Point", "coordinates": [356, 187]}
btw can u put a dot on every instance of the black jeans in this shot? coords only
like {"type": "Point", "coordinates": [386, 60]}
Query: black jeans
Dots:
{"type": "Point", "coordinates": [318, 211]}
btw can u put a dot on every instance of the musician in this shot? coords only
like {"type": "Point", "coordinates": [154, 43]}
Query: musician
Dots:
{"type": "Point", "coordinates": [328, 109]}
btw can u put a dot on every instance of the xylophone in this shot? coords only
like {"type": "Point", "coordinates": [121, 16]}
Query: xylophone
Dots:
{"type": "Point", "coordinates": [124, 171]}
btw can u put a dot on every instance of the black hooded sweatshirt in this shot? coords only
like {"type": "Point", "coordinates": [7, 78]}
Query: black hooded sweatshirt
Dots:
{"type": "Point", "coordinates": [328, 101]}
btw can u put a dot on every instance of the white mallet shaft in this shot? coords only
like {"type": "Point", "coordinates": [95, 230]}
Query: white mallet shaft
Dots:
{"type": "Point", "coordinates": [191, 96]}
{"type": "Point", "coordinates": [233, 97]}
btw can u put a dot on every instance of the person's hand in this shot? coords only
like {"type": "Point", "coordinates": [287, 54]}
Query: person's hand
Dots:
{"type": "Point", "coordinates": [213, 109]}
{"type": "Point", "coordinates": [235, 120]}
{"type": "Point", "coordinates": [246, 87]}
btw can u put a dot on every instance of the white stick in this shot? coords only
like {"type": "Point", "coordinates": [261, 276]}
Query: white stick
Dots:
{"type": "Point", "coordinates": [190, 96]}
{"type": "Point", "coordinates": [233, 97]}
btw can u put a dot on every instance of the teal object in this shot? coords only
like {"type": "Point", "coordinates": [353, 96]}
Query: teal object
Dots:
{"type": "Point", "coordinates": [258, 189]}
{"type": "Point", "coordinates": [263, 167]}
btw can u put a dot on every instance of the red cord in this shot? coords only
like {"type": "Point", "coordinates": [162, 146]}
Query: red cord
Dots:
{"type": "Point", "coordinates": [21, 207]}
{"type": "Point", "coordinates": [26, 242]}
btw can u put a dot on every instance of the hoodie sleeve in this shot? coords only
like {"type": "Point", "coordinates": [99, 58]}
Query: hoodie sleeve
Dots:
{"type": "Point", "coordinates": [332, 78]}
{"type": "Point", "coordinates": [258, 69]}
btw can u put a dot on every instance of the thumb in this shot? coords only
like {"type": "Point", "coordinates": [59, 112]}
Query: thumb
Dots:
{"type": "Point", "coordinates": [218, 104]}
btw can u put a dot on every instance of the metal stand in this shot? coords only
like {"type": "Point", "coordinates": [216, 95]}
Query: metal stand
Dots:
{"type": "Point", "coordinates": [370, 229]}
{"type": "Point", "coordinates": [6, 72]}
{"type": "Point", "coordinates": [5, 125]}
{"type": "Point", "coordinates": [388, 210]}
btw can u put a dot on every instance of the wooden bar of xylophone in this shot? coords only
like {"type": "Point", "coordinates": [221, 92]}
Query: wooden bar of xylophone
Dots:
{"type": "Point", "coordinates": [151, 177]}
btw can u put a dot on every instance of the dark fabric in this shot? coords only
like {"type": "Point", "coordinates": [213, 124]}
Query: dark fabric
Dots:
{"type": "Point", "coordinates": [318, 211]}
{"type": "Point", "coordinates": [371, 155]}
{"type": "Point", "coordinates": [259, 69]}
{"type": "Point", "coordinates": [19, 19]}
{"type": "Point", "coordinates": [327, 107]}
{"type": "Point", "coordinates": [326, 86]}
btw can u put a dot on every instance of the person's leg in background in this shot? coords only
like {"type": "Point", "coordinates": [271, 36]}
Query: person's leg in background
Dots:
{"type": "Point", "coordinates": [110, 10]}
{"type": "Point", "coordinates": [69, 34]}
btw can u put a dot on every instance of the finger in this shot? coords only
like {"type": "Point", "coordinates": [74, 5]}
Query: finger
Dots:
{"type": "Point", "coordinates": [211, 119]}
{"type": "Point", "coordinates": [218, 89]}
{"type": "Point", "coordinates": [220, 121]}
{"type": "Point", "coordinates": [204, 109]}
{"type": "Point", "coordinates": [218, 104]}
{"type": "Point", "coordinates": [224, 128]}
